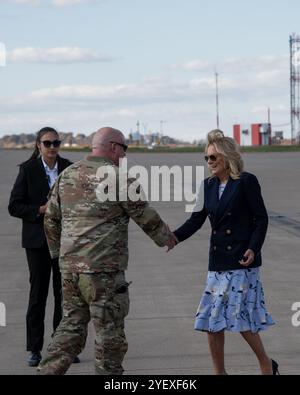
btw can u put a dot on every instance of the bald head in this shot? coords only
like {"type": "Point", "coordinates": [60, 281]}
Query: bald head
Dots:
{"type": "Point", "coordinates": [104, 135]}
{"type": "Point", "coordinates": [107, 143]}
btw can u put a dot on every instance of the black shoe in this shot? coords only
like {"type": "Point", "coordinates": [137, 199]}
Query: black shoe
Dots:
{"type": "Point", "coordinates": [76, 360]}
{"type": "Point", "coordinates": [274, 367]}
{"type": "Point", "coordinates": [34, 358]}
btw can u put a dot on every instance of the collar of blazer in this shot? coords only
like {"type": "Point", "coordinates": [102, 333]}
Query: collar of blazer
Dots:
{"type": "Point", "coordinates": [219, 206]}
{"type": "Point", "coordinates": [43, 172]}
{"type": "Point", "coordinates": [60, 167]}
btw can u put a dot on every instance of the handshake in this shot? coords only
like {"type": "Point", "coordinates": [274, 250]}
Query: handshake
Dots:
{"type": "Point", "coordinates": [172, 241]}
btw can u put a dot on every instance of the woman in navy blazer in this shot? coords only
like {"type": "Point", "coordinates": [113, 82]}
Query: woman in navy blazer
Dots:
{"type": "Point", "coordinates": [28, 201]}
{"type": "Point", "coordinates": [233, 299]}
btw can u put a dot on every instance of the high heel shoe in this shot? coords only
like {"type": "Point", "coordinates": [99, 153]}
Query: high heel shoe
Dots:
{"type": "Point", "coordinates": [275, 368]}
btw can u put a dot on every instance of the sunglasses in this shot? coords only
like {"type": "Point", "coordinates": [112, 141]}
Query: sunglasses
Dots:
{"type": "Point", "coordinates": [212, 158]}
{"type": "Point", "coordinates": [124, 146]}
{"type": "Point", "coordinates": [48, 143]}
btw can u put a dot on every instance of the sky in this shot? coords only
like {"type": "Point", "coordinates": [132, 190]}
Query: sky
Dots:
{"type": "Point", "coordinates": [78, 65]}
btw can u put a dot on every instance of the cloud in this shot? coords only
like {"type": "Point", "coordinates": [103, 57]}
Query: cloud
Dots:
{"type": "Point", "coordinates": [56, 55]}
{"type": "Point", "coordinates": [26, 2]}
{"type": "Point", "coordinates": [186, 103]}
{"type": "Point", "coordinates": [2, 55]}
{"type": "Point", "coordinates": [233, 65]}
{"type": "Point", "coordinates": [278, 108]}
{"type": "Point", "coordinates": [145, 100]}
{"type": "Point", "coordinates": [126, 112]}
{"type": "Point", "coordinates": [63, 3]}
{"type": "Point", "coordinates": [147, 91]}
{"type": "Point", "coordinates": [271, 77]}
{"type": "Point", "coordinates": [210, 83]}
{"type": "Point", "coordinates": [193, 65]}
{"type": "Point", "coordinates": [249, 78]}
{"type": "Point", "coordinates": [179, 118]}
{"type": "Point", "coordinates": [151, 90]}
{"type": "Point", "coordinates": [257, 86]}
{"type": "Point", "coordinates": [85, 92]}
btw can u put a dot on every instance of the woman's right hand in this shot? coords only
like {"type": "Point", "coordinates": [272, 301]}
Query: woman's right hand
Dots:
{"type": "Point", "coordinates": [172, 242]}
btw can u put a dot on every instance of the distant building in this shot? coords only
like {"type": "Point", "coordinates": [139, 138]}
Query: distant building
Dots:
{"type": "Point", "coordinates": [253, 135]}
{"type": "Point", "coordinates": [277, 139]}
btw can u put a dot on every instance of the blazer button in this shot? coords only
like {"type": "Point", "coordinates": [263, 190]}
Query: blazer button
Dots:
{"type": "Point", "coordinates": [229, 248]}
{"type": "Point", "coordinates": [215, 248]}
{"type": "Point", "coordinates": [228, 232]}
{"type": "Point", "coordinates": [229, 214]}
{"type": "Point", "coordinates": [214, 232]}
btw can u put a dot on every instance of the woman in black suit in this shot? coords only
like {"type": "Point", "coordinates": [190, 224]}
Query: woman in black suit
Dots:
{"type": "Point", "coordinates": [233, 299]}
{"type": "Point", "coordinates": [28, 201]}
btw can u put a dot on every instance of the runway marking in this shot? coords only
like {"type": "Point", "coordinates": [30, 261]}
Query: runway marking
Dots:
{"type": "Point", "coordinates": [288, 224]}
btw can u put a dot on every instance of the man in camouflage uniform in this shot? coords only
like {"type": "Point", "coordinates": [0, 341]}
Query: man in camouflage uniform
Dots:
{"type": "Point", "coordinates": [90, 236]}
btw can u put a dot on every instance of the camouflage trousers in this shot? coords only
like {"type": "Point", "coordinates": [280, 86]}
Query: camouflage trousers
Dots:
{"type": "Point", "coordinates": [103, 298]}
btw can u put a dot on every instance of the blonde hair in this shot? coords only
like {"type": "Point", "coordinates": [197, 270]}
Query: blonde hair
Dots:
{"type": "Point", "coordinates": [230, 150]}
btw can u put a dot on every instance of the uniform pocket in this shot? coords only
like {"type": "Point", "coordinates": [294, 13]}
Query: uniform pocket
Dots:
{"type": "Point", "coordinates": [121, 300]}
{"type": "Point", "coordinates": [121, 295]}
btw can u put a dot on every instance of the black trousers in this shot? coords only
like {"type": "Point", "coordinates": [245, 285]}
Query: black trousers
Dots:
{"type": "Point", "coordinates": [40, 267]}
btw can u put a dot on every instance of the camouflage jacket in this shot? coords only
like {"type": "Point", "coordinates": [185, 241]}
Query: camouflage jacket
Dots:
{"type": "Point", "coordinates": [90, 234]}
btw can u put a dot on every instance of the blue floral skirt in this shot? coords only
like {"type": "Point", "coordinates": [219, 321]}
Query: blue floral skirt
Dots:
{"type": "Point", "coordinates": [233, 301]}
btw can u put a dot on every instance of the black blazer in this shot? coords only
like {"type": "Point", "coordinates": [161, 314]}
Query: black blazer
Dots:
{"type": "Point", "coordinates": [239, 222]}
{"type": "Point", "coordinates": [28, 194]}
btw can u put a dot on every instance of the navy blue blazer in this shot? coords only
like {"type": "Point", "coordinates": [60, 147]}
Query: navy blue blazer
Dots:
{"type": "Point", "coordinates": [239, 222]}
{"type": "Point", "coordinates": [29, 192]}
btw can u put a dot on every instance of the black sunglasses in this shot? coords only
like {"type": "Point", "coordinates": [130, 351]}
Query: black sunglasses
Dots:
{"type": "Point", "coordinates": [48, 143]}
{"type": "Point", "coordinates": [213, 158]}
{"type": "Point", "coordinates": [124, 146]}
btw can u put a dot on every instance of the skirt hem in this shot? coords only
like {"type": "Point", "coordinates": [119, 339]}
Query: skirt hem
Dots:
{"type": "Point", "coordinates": [263, 328]}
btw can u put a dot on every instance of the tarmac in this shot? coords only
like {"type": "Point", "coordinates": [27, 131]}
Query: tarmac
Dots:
{"type": "Point", "coordinates": [166, 287]}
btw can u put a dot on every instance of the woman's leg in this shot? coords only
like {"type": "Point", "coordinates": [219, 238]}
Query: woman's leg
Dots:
{"type": "Point", "coordinates": [216, 343]}
{"type": "Point", "coordinates": [254, 341]}
{"type": "Point", "coordinates": [40, 271]}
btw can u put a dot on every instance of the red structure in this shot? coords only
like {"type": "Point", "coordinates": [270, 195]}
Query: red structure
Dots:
{"type": "Point", "coordinates": [253, 135]}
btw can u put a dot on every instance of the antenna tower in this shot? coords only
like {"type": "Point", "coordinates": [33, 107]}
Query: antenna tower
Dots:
{"type": "Point", "coordinates": [295, 88]}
